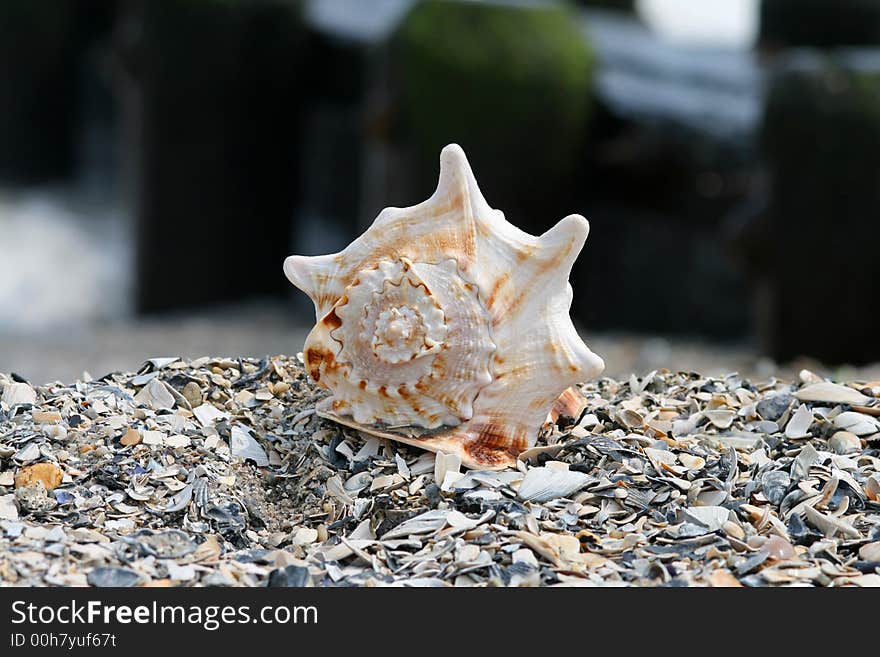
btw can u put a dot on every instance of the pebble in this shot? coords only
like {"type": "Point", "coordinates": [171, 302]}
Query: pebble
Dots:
{"type": "Point", "coordinates": [131, 437]}
{"type": "Point", "coordinates": [46, 417]}
{"type": "Point", "coordinates": [756, 541]}
{"type": "Point", "coordinates": [112, 577]}
{"type": "Point", "coordinates": [34, 498]}
{"type": "Point", "coordinates": [870, 552]}
{"type": "Point", "coordinates": [774, 406]}
{"type": "Point", "coordinates": [193, 394]}
{"type": "Point", "coordinates": [778, 547]}
{"type": "Point", "coordinates": [733, 529]}
{"type": "Point", "coordinates": [304, 536]}
{"type": "Point", "coordinates": [48, 474]}
{"type": "Point", "coordinates": [289, 576]}
{"type": "Point", "coordinates": [844, 442]}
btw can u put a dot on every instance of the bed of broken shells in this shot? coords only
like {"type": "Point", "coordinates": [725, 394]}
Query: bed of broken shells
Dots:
{"type": "Point", "coordinates": [218, 472]}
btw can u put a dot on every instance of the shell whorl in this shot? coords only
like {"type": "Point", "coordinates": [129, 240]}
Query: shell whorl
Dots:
{"type": "Point", "coordinates": [446, 315]}
{"type": "Point", "coordinates": [413, 336]}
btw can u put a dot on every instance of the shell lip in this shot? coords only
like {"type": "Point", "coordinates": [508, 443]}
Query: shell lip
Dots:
{"type": "Point", "coordinates": [443, 439]}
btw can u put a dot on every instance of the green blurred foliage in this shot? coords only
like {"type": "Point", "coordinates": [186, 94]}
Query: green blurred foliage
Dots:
{"type": "Point", "coordinates": [503, 81]}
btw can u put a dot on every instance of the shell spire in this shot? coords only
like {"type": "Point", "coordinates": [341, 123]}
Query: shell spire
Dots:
{"type": "Point", "coordinates": [445, 326]}
{"type": "Point", "coordinates": [457, 184]}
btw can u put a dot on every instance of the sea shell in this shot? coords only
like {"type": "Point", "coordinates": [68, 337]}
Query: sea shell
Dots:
{"type": "Point", "coordinates": [832, 393]}
{"type": "Point", "coordinates": [857, 423]}
{"type": "Point", "coordinates": [799, 424]}
{"type": "Point", "coordinates": [545, 484]}
{"type": "Point", "coordinates": [445, 326]}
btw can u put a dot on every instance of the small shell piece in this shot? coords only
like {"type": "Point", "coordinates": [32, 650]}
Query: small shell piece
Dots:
{"type": "Point", "coordinates": [445, 326]}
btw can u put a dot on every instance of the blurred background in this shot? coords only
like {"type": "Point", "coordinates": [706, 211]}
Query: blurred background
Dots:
{"type": "Point", "coordinates": [160, 158]}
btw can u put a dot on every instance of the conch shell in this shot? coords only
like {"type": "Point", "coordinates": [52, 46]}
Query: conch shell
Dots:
{"type": "Point", "coordinates": [446, 327]}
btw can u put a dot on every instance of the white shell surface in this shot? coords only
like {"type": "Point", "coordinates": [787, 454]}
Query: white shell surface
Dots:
{"type": "Point", "coordinates": [857, 423]}
{"type": "Point", "coordinates": [415, 335]}
{"type": "Point", "coordinates": [545, 484]}
{"type": "Point", "coordinates": [444, 316]}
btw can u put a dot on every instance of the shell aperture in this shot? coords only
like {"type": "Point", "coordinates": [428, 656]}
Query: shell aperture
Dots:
{"type": "Point", "coordinates": [445, 326]}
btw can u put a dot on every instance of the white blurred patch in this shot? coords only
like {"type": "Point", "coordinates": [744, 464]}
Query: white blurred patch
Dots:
{"type": "Point", "coordinates": [61, 264]}
{"type": "Point", "coordinates": [710, 23]}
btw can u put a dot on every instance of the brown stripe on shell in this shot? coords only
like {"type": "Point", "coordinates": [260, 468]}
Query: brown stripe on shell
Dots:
{"type": "Point", "coordinates": [504, 301]}
{"type": "Point", "coordinates": [525, 252]}
{"type": "Point", "coordinates": [497, 287]}
{"type": "Point", "coordinates": [314, 358]}
{"type": "Point", "coordinates": [320, 360]}
{"type": "Point", "coordinates": [407, 396]}
{"type": "Point", "coordinates": [538, 403]}
{"type": "Point", "coordinates": [493, 443]}
{"type": "Point", "coordinates": [324, 299]}
{"type": "Point", "coordinates": [415, 284]}
{"type": "Point", "coordinates": [331, 320]}
{"type": "Point", "coordinates": [571, 403]}
{"type": "Point", "coordinates": [453, 202]}
{"type": "Point", "coordinates": [516, 372]}
{"type": "Point", "coordinates": [453, 242]}
{"type": "Point", "coordinates": [458, 241]}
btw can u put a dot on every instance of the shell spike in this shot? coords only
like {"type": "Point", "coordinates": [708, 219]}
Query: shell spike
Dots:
{"type": "Point", "coordinates": [590, 365]}
{"type": "Point", "coordinates": [567, 238]}
{"type": "Point", "coordinates": [299, 272]}
{"type": "Point", "coordinates": [314, 275]}
{"type": "Point", "coordinates": [456, 176]}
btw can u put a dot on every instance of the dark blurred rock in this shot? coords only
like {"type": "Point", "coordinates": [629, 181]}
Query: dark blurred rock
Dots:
{"type": "Point", "coordinates": [671, 154]}
{"type": "Point", "coordinates": [213, 111]}
{"type": "Point", "coordinates": [813, 248]}
{"type": "Point", "coordinates": [38, 71]}
{"type": "Point", "coordinates": [628, 6]}
{"type": "Point", "coordinates": [510, 83]}
{"type": "Point", "coordinates": [818, 23]}
{"type": "Point", "coordinates": [339, 196]}
{"type": "Point", "coordinates": [643, 271]}
{"type": "Point", "coordinates": [289, 577]}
